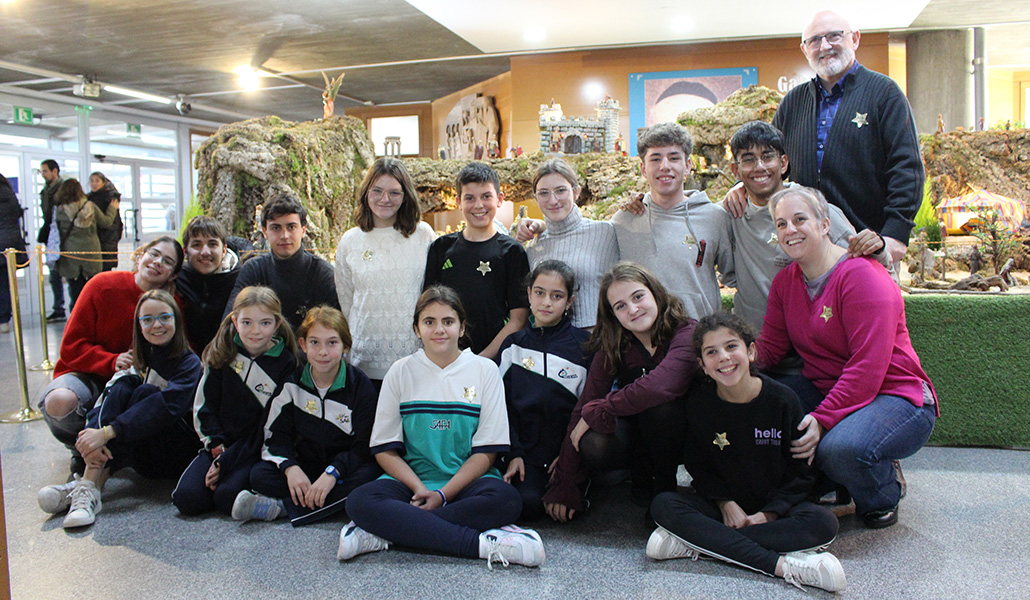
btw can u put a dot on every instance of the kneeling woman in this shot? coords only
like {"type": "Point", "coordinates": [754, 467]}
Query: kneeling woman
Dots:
{"type": "Point", "coordinates": [439, 425]}
{"type": "Point", "coordinates": [868, 400]}
{"type": "Point", "coordinates": [642, 344]}
{"type": "Point", "coordinates": [143, 420]}
{"type": "Point", "coordinates": [747, 502]}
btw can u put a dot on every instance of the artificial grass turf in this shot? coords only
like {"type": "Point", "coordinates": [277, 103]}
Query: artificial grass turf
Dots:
{"type": "Point", "coordinates": [976, 350]}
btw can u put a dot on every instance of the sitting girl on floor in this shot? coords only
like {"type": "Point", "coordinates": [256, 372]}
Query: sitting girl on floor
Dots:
{"type": "Point", "coordinates": [142, 421]}
{"type": "Point", "coordinates": [746, 504]}
{"type": "Point", "coordinates": [316, 435]}
{"type": "Point", "coordinates": [642, 345]}
{"type": "Point", "coordinates": [245, 366]}
{"type": "Point", "coordinates": [543, 368]}
{"type": "Point", "coordinates": [440, 423]}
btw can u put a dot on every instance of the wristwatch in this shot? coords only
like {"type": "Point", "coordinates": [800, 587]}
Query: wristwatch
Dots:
{"type": "Point", "coordinates": [336, 474]}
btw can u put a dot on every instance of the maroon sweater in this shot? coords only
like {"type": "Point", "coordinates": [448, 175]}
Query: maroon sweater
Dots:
{"type": "Point", "coordinates": [666, 377]}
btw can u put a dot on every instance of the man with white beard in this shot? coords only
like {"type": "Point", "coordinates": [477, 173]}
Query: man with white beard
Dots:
{"type": "Point", "coordinates": [850, 133]}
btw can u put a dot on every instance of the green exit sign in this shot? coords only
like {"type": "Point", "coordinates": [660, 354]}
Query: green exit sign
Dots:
{"type": "Point", "coordinates": [23, 115]}
{"type": "Point", "coordinates": [133, 130]}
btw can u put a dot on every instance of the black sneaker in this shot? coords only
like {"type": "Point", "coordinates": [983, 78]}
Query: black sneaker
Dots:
{"type": "Point", "coordinates": [56, 317]}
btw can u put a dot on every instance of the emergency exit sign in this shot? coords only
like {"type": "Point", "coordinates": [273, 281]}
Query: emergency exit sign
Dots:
{"type": "Point", "coordinates": [23, 115]}
{"type": "Point", "coordinates": [133, 130]}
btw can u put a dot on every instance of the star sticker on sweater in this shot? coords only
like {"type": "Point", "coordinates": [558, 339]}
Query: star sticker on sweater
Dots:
{"type": "Point", "coordinates": [470, 393]}
{"type": "Point", "coordinates": [367, 254]}
{"type": "Point", "coordinates": [311, 407]}
{"type": "Point", "coordinates": [238, 366]}
{"type": "Point", "coordinates": [528, 362]}
{"type": "Point", "coordinates": [689, 240]}
{"type": "Point", "coordinates": [827, 314]}
{"type": "Point", "coordinates": [484, 267]}
{"type": "Point", "coordinates": [721, 441]}
{"type": "Point", "coordinates": [773, 239]}
{"type": "Point", "coordinates": [860, 119]}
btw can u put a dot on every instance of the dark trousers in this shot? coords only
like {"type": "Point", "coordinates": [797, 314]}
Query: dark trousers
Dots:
{"type": "Point", "coordinates": [192, 497]}
{"type": "Point", "coordinates": [267, 480]}
{"type": "Point", "coordinates": [164, 454]}
{"type": "Point", "coordinates": [57, 287]}
{"type": "Point", "coordinates": [74, 289]}
{"type": "Point", "coordinates": [383, 508]}
{"type": "Point", "coordinates": [699, 522]}
{"type": "Point", "coordinates": [650, 444]}
{"type": "Point", "coordinates": [532, 489]}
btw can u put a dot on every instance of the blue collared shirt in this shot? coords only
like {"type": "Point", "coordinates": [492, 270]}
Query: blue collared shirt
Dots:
{"type": "Point", "coordinates": [829, 102]}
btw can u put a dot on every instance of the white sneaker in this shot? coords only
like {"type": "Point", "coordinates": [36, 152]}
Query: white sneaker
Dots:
{"type": "Point", "coordinates": [821, 570]}
{"type": "Point", "coordinates": [85, 504]}
{"type": "Point", "coordinates": [249, 505]}
{"type": "Point", "coordinates": [355, 540]}
{"type": "Point", "coordinates": [55, 498]}
{"type": "Point", "coordinates": [511, 544]}
{"type": "Point", "coordinates": [663, 545]}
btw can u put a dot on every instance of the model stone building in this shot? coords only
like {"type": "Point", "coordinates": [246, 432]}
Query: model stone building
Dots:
{"type": "Point", "coordinates": [576, 135]}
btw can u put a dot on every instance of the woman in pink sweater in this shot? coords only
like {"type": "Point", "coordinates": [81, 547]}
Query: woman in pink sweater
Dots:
{"type": "Point", "coordinates": [869, 401]}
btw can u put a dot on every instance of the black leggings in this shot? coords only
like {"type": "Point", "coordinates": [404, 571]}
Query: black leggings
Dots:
{"type": "Point", "coordinates": [649, 443]}
{"type": "Point", "coordinates": [699, 522]}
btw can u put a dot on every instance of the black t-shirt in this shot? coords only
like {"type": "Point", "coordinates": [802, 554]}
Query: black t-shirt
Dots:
{"type": "Point", "coordinates": [489, 276]}
{"type": "Point", "coordinates": [741, 452]}
{"type": "Point", "coordinates": [203, 299]}
{"type": "Point", "coordinates": [302, 281]}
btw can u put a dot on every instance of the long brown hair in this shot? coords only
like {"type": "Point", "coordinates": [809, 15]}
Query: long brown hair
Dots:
{"type": "Point", "coordinates": [610, 337]}
{"type": "Point", "coordinates": [222, 348]}
{"type": "Point", "coordinates": [141, 348]}
{"type": "Point", "coordinates": [409, 213]}
{"type": "Point", "coordinates": [441, 294]}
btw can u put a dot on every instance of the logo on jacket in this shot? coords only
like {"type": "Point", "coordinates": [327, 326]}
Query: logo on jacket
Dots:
{"type": "Point", "coordinates": [567, 374]}
{"type": "Point", "coordinates": [768, 437]}
{"type": "Point", "coordinates": [440, 424]}
{"type": "Point", "coordinates": [263, 389]}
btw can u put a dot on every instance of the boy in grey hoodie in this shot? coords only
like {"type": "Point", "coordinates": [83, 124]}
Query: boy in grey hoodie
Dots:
{"type": "Point", "coordinates": [681, 236]}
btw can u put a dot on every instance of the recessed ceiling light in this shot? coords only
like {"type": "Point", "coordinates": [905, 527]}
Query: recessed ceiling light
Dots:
{"type": "Point", "coordinates": [593, 91]}
{"type": "Point", "coordinates": [249, 79]}
{"type": "Point", "coordinates": [682, 23]}
{"type": "Point", "coordinates": [534, 35]}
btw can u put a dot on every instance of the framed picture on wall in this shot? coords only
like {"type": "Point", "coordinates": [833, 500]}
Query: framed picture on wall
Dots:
{"type": "Point", "coordinates": [660, 97]}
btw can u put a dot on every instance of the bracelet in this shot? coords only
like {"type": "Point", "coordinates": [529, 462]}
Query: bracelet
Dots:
{"type": "Point", "coordinates": [104, 429]}
{"type": "Point", "coordinates": [442, 496]}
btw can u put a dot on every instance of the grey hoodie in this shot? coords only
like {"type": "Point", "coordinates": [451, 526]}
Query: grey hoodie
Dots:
{"type": "Point", "coordinates": [671, 242]}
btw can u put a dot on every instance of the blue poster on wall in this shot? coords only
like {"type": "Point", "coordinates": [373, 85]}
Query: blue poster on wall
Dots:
{"type": "Point", "coordinates": [660, 97]}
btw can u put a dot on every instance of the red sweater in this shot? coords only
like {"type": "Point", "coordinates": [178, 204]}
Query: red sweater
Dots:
{"type": "Point", "coordinates": [100, 326]}
{"type": "Point", "coordinates": [852, 337]}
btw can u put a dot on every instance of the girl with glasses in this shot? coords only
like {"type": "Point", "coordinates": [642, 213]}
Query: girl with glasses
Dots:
{"type": "Point", "coordinates": [379, 268]}
{"type": "Point", "coordinates": [143, 419]}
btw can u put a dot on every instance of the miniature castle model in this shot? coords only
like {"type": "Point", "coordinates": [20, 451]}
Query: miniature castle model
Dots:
{"type": "Point", "coordinates": [576, 135]}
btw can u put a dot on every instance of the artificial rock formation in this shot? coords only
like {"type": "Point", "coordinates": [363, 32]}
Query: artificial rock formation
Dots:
{"type": "Point", "coordinates": [321, 162]}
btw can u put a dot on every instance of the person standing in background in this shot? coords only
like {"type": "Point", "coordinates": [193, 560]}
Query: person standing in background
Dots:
{"type": "Point", "coordinates": [102, 193]}
{"type": "Point", "coordinates": [50, 171]}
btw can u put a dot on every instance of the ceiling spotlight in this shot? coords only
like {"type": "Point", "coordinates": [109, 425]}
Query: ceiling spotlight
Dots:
{"type": "Point", "coordinates": [682, 24]}
{"type": "Point", "coordinates": [248, 78]}
{"type": "Point", "coordinates": [182, 105]}
{"type": "Point", "coordinates": [534, 35]}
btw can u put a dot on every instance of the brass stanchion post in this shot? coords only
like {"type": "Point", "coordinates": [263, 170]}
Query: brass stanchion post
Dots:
{"type": "Point", "coordinates": [46, 365]}
{"type": "Point", "coordinates": [26, 413]}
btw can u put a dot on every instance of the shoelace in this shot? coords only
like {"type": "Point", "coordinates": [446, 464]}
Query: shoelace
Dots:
{"type": "Point", "coordinates": [798, 572]}
{"type": "Point", "coordinates": [81, 497]}
{"type": "Point", "coordinates": [493, 555]}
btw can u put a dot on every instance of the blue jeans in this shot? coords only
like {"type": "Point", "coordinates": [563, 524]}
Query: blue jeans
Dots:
{"type": "Point", "coordinates": [858, 451]}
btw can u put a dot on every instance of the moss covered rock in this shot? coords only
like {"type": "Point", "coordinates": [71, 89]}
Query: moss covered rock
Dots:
{"type": "Point", "coordinates": [321, 162]}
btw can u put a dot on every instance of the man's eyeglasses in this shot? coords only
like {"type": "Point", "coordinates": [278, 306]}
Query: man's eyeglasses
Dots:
{"type": "Point", "coordinates": [147, 321]}
{"type": "Point", "coordinates": [833, 37]}
{"type": "Point", "coordinates": [750, 160]}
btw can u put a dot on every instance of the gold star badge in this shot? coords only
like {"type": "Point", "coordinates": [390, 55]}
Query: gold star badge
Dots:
{"type": "Point", "coordinates": [238, 367]}
{"type": "Point", "coordinates": [860, 119]}
{"type": "Point", "coordinates": [311, 407]}
{"type": "Point", "coordinates": [773, 239]}
{"type": "Point", "coordinates": [528, 362]}
{"type": "Point", "coordinates": [484, 267]}
{"type": "Point", "coordinates": [721, 441]}
{"type": "Point", "coordinates": [689, 240]}
{"type": "Point", "coordinates": [470, 393]}
{"type": "Point", "coordinates": [367, 254]}
{"type": "Point", "coordinates": [827, 314]}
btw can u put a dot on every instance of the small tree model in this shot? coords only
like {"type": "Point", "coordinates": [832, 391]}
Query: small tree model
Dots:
{"type": "Point", "coordinates": [996, 243]}
{"type": "Point", "coordinates": [332, 87]}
